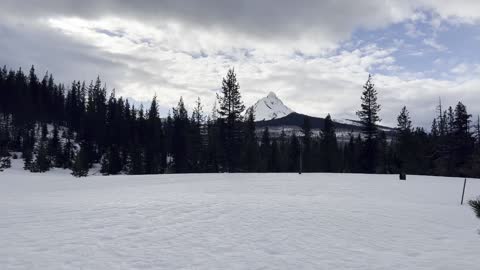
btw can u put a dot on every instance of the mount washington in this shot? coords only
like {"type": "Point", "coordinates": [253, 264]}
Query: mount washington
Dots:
{"type": "Point", "coordinates": [271, 112]}
{"type": "Point", "coordinates": [270, 107]}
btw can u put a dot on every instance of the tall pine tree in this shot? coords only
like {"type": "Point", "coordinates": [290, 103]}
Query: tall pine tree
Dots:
{"type": "Point", "coordinates": [230, 111]}
{"type": "Point", "coordinates": [369, 118]}
{"type": "Point", "coordinates": [330, 159]}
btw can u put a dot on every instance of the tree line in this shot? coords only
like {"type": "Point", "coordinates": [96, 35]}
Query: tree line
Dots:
{"type": "Point", "coordinates": [48, 124]}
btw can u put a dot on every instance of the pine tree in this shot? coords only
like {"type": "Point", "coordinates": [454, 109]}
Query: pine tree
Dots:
{"type": "Point", "coordinates": [44, 133]}
{"type": "Point", "coordinates": [27, 159]}
{"type": "Point", "coordinates": [230, 111]}
{"type": "Point", "coordinates": [472, 167]}
{"type": "Point", "coordinates": [111, 163]}
{"type": "Point", "coordinates": [283, 144]}
{"type": "Point", "coordinates": [463, 141]}
{"type": "Point", "coordinates": [214, 149]}
{"type": "Point", "coordinates": [250, 153]}
{"type": "Point", "coordinates": [169, 135]}
{"type": "Point", "coordinates": [359, 155]}
{"type": "Point", "coordinates": [181, 144]}
{"type": "Point", "coordinates": [404, 141]}
{"type": "Point", "coordinates": [34, 89]}
{"type": "Point", "coordinates": [329, 147]}
{"type": "Point", "coordinates": [273, 165]}
{"type": "Point", "coordinates": [154, 150]}
{"type": "Point", "coordinates": [4, 143]}
{"type": "Point", "coordinates": [349, 161]}
{"type": "Point", "coordinates": [421, 150]}
{"type": "Point", "coordinates": [306, 145]}
{"type": "Point", "coordinates": [449, 119]}
{"type": "Point", "coordinates": [441, 154]}
{"type": "Point", "coordinates": [404, 123]}
{"type": "Point", "coordinates": [294, 153]}
{"type": "Point", "coordinates": [383, 165]}
{"type": "Point", "coordinates": [461, 121]}
{"type": "Point", "coordinates": [42, 163]}
{"type": "Point", "coordinates": [80, 164]}
{"type": "Point", "coordinates": [134, 164]}
{"type": "Point", "coordinates": [68, 154]}
{"type": "Point", "coordinates": [197, 134]}
{"type": "Point", "coordinates": [265, 150]}
{"type": "Point", "coordinates": [434, 130]}
{"type": "Point", "coordinates": [55, 148]}
{"type": "Point", "coordinates": [477, 131]}
{"type": "Point", "coordinates": [369, 117]}
{"type": "Point", "coordinates": [214, 141]}
{"type": "Point", "coordinates": [441, 119]}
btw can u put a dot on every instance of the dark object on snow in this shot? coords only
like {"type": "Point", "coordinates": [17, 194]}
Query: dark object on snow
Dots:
{"type": "Point", "coordinates": [463, 192]}
{"type": "Point", "coordinates": [403, 176]}
{"type": "Point", "coordinates": [475, 204]}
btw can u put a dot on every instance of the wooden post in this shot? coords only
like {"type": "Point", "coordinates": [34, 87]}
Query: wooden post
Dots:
{"type": "Point", "coordinates": [300, 160]}
{"type": "Point", "coordinates": [463, 193]}
{"type": "Point", "coordinates": [300, 165]}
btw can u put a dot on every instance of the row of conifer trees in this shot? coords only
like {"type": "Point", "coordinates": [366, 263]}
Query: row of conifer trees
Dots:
{"type": "Point", "coordinates": [50, 125]}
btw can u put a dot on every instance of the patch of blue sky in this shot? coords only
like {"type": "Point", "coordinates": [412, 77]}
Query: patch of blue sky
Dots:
{"type": "Point", "coordinates": [423, 48]}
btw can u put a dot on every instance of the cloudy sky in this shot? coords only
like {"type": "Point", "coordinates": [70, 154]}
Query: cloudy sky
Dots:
{"type": "Point", "coordinates": [314, 54]}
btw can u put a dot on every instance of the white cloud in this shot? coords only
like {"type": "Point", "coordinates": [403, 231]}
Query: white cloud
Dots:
{"type": "Point", "coordinates": [165, 64]}
{"type": "Point", "coordinates": [306, 22]}
{"type": "Point", "coordinates": [432, 42]}
{"type": "Point", "coordinates": [170, 65]}
{"type": "Point", "coordinates": [184, 48]}
{"type": "Point", "coordinates": [464, 11]}
{"type": "Point", "coordinates": [460, 68]}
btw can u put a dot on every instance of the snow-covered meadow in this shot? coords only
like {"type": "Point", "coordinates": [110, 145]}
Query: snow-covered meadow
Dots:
{"type": "Point", "coordinates": [236, 221]}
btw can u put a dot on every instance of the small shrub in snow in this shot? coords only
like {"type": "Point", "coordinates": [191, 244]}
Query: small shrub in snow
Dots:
{"type": "Point", "coordinates": [80, 165]}
{"type": "Point", "coordinates": [27, 159]}
{"type": "Point", "coordinates": [5, 163]}
{"type": "Point", "coordinates": [42, 163]}
{"type": "Point", "coordinates": [475, 204]}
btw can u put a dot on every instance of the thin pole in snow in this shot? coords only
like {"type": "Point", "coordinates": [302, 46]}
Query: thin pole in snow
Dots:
{"type": "Point", "coordinates": [463, 193]}
{"type": "Point", "coordinates": [300, 165]}
{"type": "Point", "coordinates": [300, 160]}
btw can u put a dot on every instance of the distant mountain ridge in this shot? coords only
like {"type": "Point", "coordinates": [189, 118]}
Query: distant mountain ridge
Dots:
{"type": "Point", "coordinates": [296, 119]}
{"type": "Point", "coordinates": [271, 112]}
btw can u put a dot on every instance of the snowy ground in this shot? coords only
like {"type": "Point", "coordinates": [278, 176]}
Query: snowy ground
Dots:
{"type": "Point", "coordinates": [236, 221]}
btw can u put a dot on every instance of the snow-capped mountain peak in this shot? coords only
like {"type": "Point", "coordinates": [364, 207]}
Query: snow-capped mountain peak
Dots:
{"type": "Point", "coordinates": [270, 107]}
